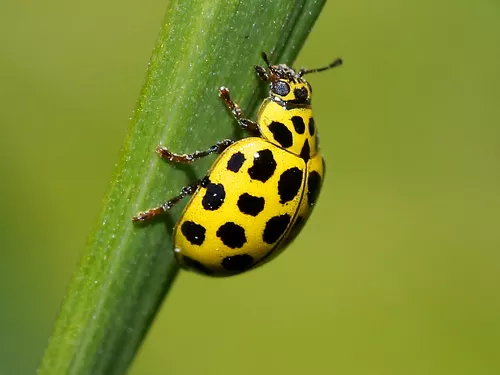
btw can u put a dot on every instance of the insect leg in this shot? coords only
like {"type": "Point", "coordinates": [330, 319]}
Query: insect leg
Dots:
{"type": "Point", "coordinates": [235, 109]}
{"type": "Point", "coordinates": [152, 212]}
{"type": "Point", "coordinates": [189, 158]}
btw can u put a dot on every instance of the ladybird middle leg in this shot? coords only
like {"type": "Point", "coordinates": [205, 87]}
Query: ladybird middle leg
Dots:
{"type": "Point", "coordinates": [186, 190]}
{"type": "Point", "coordinates": [189, 158]}
{"type": "Point", "coordinates": [235, 109]}
{"type": "Point", "coordinates": [155, 211]}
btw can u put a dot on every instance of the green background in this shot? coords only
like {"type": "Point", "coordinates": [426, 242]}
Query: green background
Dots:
{"type": "Point", "coordinates": [398, 270]}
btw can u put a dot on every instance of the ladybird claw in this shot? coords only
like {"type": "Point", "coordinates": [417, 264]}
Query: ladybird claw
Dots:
{"type": "Point", "coordinates": [223, 91]}
{"type": "Point", "coordinates": [141, 216]}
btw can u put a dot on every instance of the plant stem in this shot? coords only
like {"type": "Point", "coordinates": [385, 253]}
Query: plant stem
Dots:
{"type": "Point", "coordinates": [126, 270]}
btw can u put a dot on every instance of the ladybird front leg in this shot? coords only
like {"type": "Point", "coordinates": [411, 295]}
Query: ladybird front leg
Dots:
{"type": "Point", "coordinates": [235, 109]}
{"type": "Point", "coordinates": [189, 158]}
{"type": "Point", "coordinates": [152, 212]}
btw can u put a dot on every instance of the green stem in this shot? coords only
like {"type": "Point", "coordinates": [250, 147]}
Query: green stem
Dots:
{"type": "Point", "coordinates": [126, 270]}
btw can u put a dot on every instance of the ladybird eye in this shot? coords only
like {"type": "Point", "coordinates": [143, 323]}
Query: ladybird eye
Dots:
{"type": "Point", "coordinates": [280, 88]}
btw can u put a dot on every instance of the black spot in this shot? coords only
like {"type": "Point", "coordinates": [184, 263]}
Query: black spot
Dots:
{"type": "Point", "coordinates": [250, 205]}
{"type": "Point", "coordinates": [311, 126]}
{"type": "Point", "coordinates": [194, 265]}
{"type": "Point", "coordinates": [193, 232]}
{"type": "Point", "coordinates": [280, 88]}
{"type": "Point", "coordinates": [237, 263]}
{"type": "Point", "coordinates": [298, 124]}
{"type": "Point", "coordinates": [289, 184]}
{"type": "Point", "coordinates": [275, 228]}
{"type": "Point", "coordinates": [301, 95]}
{"type": "Point", "coordinates": [313, 186]}
{"type": "Point", "coordinates": [281, 134]}
{"type": "Point", "coordinates": [263, 167]}
{"type": "Point", "coordinates": [232, 235]}
{"type": "Point", "coordinates": [214, 196]}
{"type": "Point", "coordinates": [234, 164]}
{"type": "Point", "coordinates": [305, 153]}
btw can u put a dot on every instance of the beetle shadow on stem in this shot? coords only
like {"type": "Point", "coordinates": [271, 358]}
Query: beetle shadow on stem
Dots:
{"type": "Point", "coordinates": [186, 169]}
{"type": "Point", "coordinates": [169, 223]}
{"type": "Point", "coordinates": [169, 219]}
{"type": "Point", "coordinates": [238, 133]}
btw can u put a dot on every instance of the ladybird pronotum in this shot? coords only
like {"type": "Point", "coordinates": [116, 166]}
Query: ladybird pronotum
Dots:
{"type": "Point", "coordinates": [260, 191]}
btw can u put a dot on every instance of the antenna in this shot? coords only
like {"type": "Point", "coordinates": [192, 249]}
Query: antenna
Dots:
{"type": "Point", "coordinates": [335, 63]}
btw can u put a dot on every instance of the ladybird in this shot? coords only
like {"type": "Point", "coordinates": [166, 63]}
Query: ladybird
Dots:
{"type": "Point", "coordinates": [260, 191]}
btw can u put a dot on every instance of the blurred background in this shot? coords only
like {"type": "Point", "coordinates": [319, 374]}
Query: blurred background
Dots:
{"type": "Point", "coordinates": [398, 270]}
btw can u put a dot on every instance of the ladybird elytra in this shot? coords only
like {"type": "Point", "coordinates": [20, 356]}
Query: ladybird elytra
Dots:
{"type": "Point", "coordinates": [260, 191]}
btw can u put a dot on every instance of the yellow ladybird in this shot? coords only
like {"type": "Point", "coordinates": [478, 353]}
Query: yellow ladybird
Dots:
{"type": "Point", "coordinates": [260, 191]}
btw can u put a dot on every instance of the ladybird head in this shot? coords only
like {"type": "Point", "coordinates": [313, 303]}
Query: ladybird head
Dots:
{"type": "Point", "coordinates": [287, 85]}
